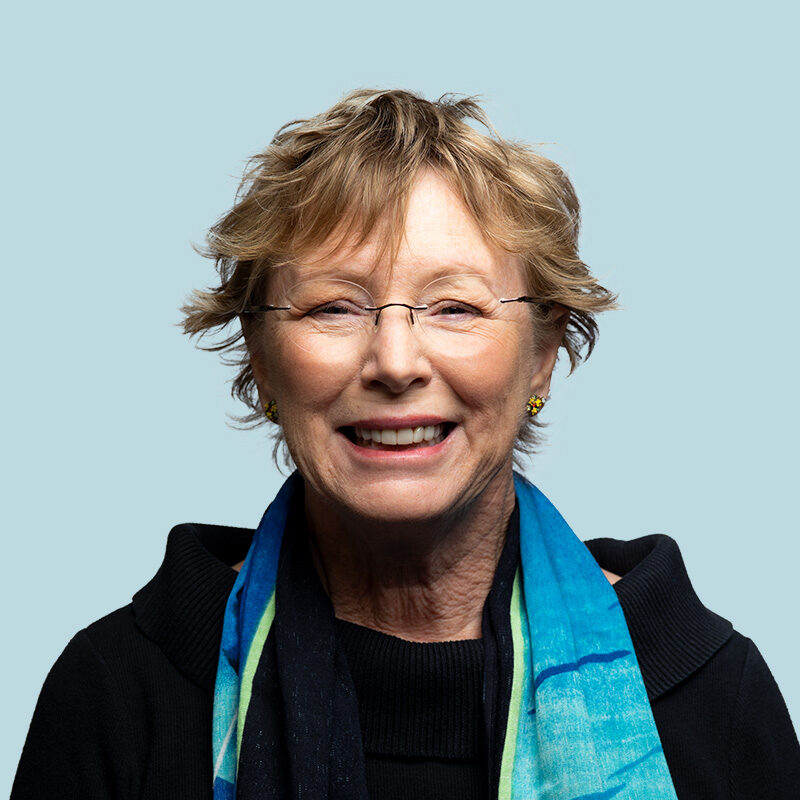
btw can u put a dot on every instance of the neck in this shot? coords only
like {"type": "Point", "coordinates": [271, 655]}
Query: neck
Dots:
{"type": "Point", "coordinates": [423, 581]}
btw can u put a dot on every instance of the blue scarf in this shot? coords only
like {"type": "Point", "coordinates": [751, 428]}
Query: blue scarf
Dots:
{"type": "Point", "coordinates": [578, 725]}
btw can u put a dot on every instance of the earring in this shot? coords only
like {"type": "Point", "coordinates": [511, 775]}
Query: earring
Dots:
{"type": "Point", "coordinates": [535, 404]}
{"type": "Point", "coordinates": [271, 411]}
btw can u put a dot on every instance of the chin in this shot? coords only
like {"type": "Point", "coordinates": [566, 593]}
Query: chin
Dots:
{"type": "Point", "coordinates": [397, 500]}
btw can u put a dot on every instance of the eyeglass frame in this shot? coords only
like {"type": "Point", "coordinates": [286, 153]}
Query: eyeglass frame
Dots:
{"type": "Point", "coordinates": [521, 299]}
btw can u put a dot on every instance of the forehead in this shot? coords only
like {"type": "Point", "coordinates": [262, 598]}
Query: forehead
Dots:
{"type": "Point", "coordinates": [441, 237]}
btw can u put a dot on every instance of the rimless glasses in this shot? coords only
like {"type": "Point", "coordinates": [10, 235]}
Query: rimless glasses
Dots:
{"type": "Point", "coordinates": [452, 313]}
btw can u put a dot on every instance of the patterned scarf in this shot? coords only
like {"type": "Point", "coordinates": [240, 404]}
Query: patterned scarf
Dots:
{"type": "Point", "coordinates": [573, 722]}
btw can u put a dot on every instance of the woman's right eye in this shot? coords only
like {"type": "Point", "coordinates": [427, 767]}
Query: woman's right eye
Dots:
{"type": "Point", "coordinates": [335, 307]}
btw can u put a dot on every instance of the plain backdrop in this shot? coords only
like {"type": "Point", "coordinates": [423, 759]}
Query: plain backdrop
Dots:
{"type": "Point", "coordinates": [126, 129]}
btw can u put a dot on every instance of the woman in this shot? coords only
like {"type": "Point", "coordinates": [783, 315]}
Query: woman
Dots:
{"type": "Point", "coordinates": [410, 616]}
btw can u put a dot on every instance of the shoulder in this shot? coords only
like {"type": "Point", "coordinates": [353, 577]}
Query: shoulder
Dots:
{"type": "Point", "coordinates": [95, 657]}
{"type": "Point", "coordinates": [130, 657]}
{"type": "Point", "coordinates": [86, 660]}
{"type": "Point", "coordinates": [726, 725]}
{"type": "Point", "coordinates": [80, 728]}
{"type": "Point", "coordinates": [764, 748]}
{"type": "Point", "coordinates": [175, 619]}
{"type": "Point", "coordinates": [720, 714]}
{"type": "Point", "coordinates": [95, 678]}
{"type": "Point", "coordinates": [113, 699]}
{"type": "Point", "coordinates": [672, 631]}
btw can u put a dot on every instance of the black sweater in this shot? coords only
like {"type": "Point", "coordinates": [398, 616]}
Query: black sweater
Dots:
{"type": "Point", "coordinates": [125, 711]}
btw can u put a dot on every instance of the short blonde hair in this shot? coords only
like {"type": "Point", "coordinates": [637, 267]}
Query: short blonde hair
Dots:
{"type": "Point", "coordinates": [348, 172]}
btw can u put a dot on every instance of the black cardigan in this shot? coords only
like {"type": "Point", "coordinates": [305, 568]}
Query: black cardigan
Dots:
{"type": "Point", "coordinates": [125, 711]}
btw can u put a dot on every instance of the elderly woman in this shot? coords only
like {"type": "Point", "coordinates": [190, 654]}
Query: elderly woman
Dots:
{"type": "Point", "coordinates": [411, 617]}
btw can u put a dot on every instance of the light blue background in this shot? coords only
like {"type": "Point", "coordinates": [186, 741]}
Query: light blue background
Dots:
{"type": "Point", "coordinates": [126, 129]}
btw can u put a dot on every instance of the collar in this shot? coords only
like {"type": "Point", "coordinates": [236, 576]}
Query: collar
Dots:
{"type": "Point", "coordinates": [182, 607]}
{"type": "Point", "coordinates": [673, 633]}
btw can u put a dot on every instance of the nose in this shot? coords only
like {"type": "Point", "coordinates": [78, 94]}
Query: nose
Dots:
{"type": "Point", "coordinates": [396, 359]}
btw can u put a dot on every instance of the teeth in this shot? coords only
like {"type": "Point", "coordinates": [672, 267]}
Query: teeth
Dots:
{"type": "Point", "coordinates": [400, 436]}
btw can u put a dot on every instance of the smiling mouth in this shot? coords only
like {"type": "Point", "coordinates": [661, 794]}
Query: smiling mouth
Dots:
{"type": "Point", "coordinates": [398, 438]}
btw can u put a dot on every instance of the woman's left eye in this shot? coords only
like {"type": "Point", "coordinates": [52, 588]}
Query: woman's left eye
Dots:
{"type": "Point", "coordinates": [455, 308]}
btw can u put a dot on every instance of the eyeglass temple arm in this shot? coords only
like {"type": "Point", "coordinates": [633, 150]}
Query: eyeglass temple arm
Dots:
{"type": "Point", "coordinates": [256, 309]}
{"type": "Point", "coordinates": [527, 299]}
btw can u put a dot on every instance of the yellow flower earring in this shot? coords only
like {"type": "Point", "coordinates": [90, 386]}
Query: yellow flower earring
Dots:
{"type": "Point", "coordinates": [271, 411]}
{"type": "Point", "coordinates": [535, 404]}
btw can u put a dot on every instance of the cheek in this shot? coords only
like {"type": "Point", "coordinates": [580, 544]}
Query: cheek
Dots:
{"type": "Point", "coordinates": [305, 389]}
{"type": "Point", "coordinates": [496, 375]}
{"type": "Point", "coordinates": [305, 383]}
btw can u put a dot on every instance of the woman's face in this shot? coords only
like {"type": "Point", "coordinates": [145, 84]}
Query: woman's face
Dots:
{"type": "Point", "coordinates": [471, 388]}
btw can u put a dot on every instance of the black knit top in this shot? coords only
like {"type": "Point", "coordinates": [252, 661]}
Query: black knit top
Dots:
{"type": "Point", "coordinates": [126, 710]}
{"type": "Point", "coordinates": [421, 714]}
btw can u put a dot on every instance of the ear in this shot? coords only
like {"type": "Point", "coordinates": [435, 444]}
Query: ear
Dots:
{"type": "Point", "coordinates": [547, 351]}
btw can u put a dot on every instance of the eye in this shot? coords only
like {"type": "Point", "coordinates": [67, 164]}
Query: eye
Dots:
{"type": "Point", "coordinates": [454, 308]}
{"type": "Point", "coordinates": [336, 308]}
